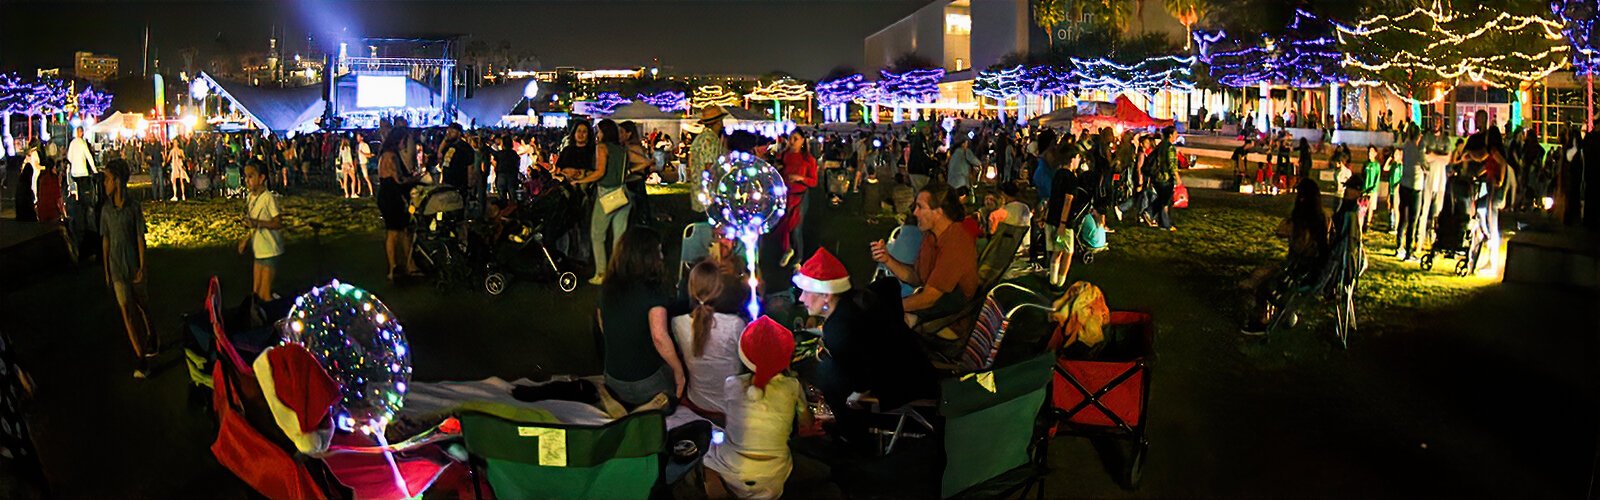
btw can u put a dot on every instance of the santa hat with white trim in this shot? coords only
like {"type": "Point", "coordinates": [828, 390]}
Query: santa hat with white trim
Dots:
{"type": "Point", "coordinates": [822, 273]}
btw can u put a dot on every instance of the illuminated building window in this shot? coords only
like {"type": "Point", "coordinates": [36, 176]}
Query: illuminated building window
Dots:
{"type": "Point", "coordinates": [957, 24]}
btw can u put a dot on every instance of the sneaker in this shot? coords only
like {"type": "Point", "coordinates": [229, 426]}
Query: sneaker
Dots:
{"type": "Point", "coordinates": [1254, 329]}
{"type": "Point", "coordinates": [597, 280]}
{"type": "Point", "coordinates": [174, 198]}
{"type": "Point", "coordinates": [140, 374]}
{"type": "Point", "coordinates": [1400, 254]}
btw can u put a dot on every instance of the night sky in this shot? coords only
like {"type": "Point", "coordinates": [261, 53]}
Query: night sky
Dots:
{"type": "Point", "coordinates": [806, 38]}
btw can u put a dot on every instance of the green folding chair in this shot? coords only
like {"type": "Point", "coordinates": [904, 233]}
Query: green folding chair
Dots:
{"type": "Point", "coordinates": [993, 436]}
{"type": "Point", "coordinates": [526, 453]}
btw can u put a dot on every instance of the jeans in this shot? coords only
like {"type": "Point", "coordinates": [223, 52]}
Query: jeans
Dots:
{"type": "Point", "coordinates": [1161, 208]}
{"type": "Point", "coordinates": [600, 221]}
{"type": "Point", "coordinates": [1408, 229]}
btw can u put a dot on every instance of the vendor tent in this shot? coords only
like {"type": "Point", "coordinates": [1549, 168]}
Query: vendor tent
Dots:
{"type": "Point", "coordinates": [1124, 113]}
{"type": "Point", "coordinates": [650, 118]}
{"type": "Point", "coordinates": [115, 123]}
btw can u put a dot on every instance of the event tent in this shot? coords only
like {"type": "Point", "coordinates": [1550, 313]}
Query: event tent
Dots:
{"type": "Point", "coordinates": [1124, 113]}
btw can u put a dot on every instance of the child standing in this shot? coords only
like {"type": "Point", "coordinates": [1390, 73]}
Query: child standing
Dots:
{"type": "Point", "coordinates": [753, 460]}
{"type": "Point", "coordinates": [122, 245]}
{"type": "Point", "coordinates": [265, 239]}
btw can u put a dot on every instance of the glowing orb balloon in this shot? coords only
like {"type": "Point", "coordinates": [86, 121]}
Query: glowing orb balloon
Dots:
{"type": "Point", "coordinates": [362, 346]}
{"type": "Point", "coordinates": [748, 195]}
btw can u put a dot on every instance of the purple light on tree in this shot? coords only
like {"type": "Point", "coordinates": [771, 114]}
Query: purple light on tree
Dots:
{"type": "Point", "coordinates": [840, 90]}
{"type": "Point", "coordinates": [1577, 24]}
{"type": "Point", "coordinates": [669, 101]}
{"type": "Point", "coordinates": [1305, 55]}
{"type": "Point", "coordinates": [918, 85]}
{"type": "Point", "coordinates": [604, 104]}
{"type": "Point", "coordinates": [93, 103]}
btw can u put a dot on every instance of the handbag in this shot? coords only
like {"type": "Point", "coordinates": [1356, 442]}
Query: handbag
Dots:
{"type": "Point", "coordinates": [613, 200]}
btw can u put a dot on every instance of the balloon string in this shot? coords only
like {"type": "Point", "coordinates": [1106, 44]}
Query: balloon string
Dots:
{"type": "Point", "coordinates": [394, 469]}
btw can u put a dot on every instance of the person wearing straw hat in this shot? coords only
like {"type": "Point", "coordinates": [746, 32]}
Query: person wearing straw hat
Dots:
{"type": "Point", "coordinates": [704, 151]}
{"type": "Point", "coordinates": [753, 459]}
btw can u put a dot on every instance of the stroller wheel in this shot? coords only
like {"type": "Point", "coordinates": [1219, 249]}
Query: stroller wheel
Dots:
{"type": "Point", "coordinates": [1088, 257]}
{"type": "Point", "coordinates": [494, 283]}
{"type": "Point", "coordinates": [1427, 261]}
{"type": "Point", "coordinates": [1135, 466]}
{"type": "Point", "coordinates": [1462, 267]}
{"type": "Point", "coordinates": [567, 281]}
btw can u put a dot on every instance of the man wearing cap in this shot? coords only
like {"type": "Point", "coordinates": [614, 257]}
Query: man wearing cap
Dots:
{"type": "Point", "coordinates": [704, 151]}
{"type": "Point", "coordinates": [753, 459]}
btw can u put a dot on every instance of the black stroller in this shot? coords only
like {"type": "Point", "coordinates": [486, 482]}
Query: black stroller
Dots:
{"type": "Point", "coordinates": [1456, 229]}
{"type": "Point", "coordinates": [514, 238]}
{"type": "Point", "coordinates": [438, 220]}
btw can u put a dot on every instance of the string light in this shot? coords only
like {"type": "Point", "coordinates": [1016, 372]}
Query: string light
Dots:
{"type": "Point", "coordinates": [1306, 55]}
{"type": "Point", "coordinates": [917, 85]}
{"type": "Point", "coordinates": [1577, 19]}
{"type": "Point", "coordinates": [604, 104]}
{"type": "Point", "coordinates": [1001, 84]}
{"type": "Point", "coordinates": [713, 95]}
{"type": "Point", "coordinates": [667, 101]}
{"type": "Point", "coordinates": [841, 90]}
{"type": "Point", "coordinates": [93, 103]}
{"type": "Point", "coordinates": [1483, 46]}
{"type": "Point", "coordinates": [782, 89]}
{"type": "Point", "coordinates": [1147, 77]}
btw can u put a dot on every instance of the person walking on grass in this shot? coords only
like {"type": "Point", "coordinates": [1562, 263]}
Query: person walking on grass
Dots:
{"type": "Point", "coordinates": [265, 222]}
{"type": "Point", "coordinates": [122, 245]}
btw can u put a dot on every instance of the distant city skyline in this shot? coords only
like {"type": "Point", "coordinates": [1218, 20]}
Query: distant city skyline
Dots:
{"type": "Point", "coordinates": [804, 38]}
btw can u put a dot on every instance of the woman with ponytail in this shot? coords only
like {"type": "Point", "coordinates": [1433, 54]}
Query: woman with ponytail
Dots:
{"type": "Point", "coordinates": [708, 337]}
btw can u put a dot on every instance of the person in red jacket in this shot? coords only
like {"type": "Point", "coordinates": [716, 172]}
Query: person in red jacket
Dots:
{"type": "Point", "coordinates": [48, 203]}
{"type": "Point", "coordinates": [799, 171]}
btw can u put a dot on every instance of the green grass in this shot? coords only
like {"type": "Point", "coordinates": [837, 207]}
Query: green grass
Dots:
{"type": "Point", "coordinates": [216, 222]}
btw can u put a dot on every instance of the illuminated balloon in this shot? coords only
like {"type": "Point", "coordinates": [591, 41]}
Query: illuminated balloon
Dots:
{"type": "Point", "coordinates": [360, 344]}
{"type": "Point", "coordinates": [748, 196]}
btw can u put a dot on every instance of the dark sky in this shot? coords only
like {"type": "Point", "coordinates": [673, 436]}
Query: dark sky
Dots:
{"type": "Point", "coordinates": [803, 37]}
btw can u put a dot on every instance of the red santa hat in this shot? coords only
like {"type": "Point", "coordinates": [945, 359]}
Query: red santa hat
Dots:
{"type": "Point", "coordinates": [766, 347]}
{"type": "Point", "coordinates": [822, 273]}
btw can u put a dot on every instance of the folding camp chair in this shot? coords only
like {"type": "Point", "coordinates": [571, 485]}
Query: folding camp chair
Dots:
{"type": "Point", "coordinates": [982, 348]}
{"type": "Point", "coordinates": [697, 238]}
{"type": "Point", "coordinates": [249, 443]}
{"type": "Point", "coordinates": [526, 453]}
{"type": "Point", "coordinates": [1109, 396]}
{"type": "Point", "coordinates": [994, 443]}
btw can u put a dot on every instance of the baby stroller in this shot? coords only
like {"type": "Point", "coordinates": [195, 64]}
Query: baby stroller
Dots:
{"type": "Point", "coordinates": [1333, 277]}
{"type": "Point", "coordinates": [516, 238]}
{"type": "Point", "coordinates": [438, 213]}
{"type": "Point", "coordinates": [1456, 229]}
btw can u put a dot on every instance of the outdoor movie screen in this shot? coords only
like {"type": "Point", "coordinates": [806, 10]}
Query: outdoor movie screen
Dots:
{"type": "Point", "coordinates": [379, 91]}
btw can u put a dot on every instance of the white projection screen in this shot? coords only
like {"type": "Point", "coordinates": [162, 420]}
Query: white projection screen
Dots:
{"type": "Point", "coordinates": [378, 91]}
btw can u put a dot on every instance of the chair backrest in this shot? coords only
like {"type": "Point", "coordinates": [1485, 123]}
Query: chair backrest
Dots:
{"type": "Point", "coordinates": [696, 245]}
{"type": "Point", "coordinates": [984, 341]}
{"type": "Point", "coordinates": [530, 455]}
{"type": "Point", "coordinates": [990, 420]}
{"type": "Point", "coordinates": [999, 253]}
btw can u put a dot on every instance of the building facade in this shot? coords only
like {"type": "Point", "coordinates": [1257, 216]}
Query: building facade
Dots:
{"type": "Point", "coordinates": [94, 67]}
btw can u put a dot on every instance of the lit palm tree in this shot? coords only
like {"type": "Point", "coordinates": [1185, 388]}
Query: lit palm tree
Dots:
{"type": "Point", "coordinates": [1188, 13]}
{"type": "Point", "coordinates": [1047, 14]}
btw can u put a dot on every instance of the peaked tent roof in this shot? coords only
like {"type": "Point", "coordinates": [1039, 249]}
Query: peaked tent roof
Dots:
{"type": "Point", "coordinates": [642, 111]}
{"type": "Point", "coordinates": [490, 103]}
{"type": "Point", "coordinates": [1127, 114]}
{"type": "Point", "coordinates": [275, 109]}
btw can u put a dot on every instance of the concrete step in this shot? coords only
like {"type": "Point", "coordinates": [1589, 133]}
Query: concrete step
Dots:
{"type": "Point", "coordinates": [1555, 256]}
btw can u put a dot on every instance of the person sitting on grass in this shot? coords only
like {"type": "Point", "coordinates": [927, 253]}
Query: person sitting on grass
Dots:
{"type": "Point", "coordinates": [122, 245]}
{"type": "Point", "coordinates": [708, 336]}
{"type": "Point", "coordinates": [1308, 230]}
{"type": "Point", "coordinates": [641, 360]}
{"type": "Point", "coordinates": [265, 239]}
{"type": "Point", "coordinates": [753, 460]}
{"type": "Point", "coordinates": [1012, 212]}
{"type": "Point", "coordinates": [946, 267]}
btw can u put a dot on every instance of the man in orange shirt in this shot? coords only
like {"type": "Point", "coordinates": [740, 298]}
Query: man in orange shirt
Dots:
{"type": "Point", "coordinates": [946, 267]}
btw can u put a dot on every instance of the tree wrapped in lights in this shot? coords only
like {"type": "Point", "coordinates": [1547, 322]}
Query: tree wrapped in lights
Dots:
{"type": "Point", "coordinates": [1147, 77]}
{"type": "Point", "coordinates": [1438, 47]}
{"type": "Point", "coordinates": [93, 103]}
{"type": "Point", "coordinates": [911, 86]}
{"type": "Point", "coordinates": [1306, 54]}
{"type": "Point", "coordinates": [604, 104]}
{"type": "Point", "coordinates": [780, 91]}
{"type": "Point", "coordinates": [668, 101]}
{"type": "Point", "coordinates": [713, 95]}
{"type": "Point", "coordinates": [1577, 25]}
{"type": "Point", "coordinates": [837, 93]}
{"type": "Point", "coordinates": [1000, 84]}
